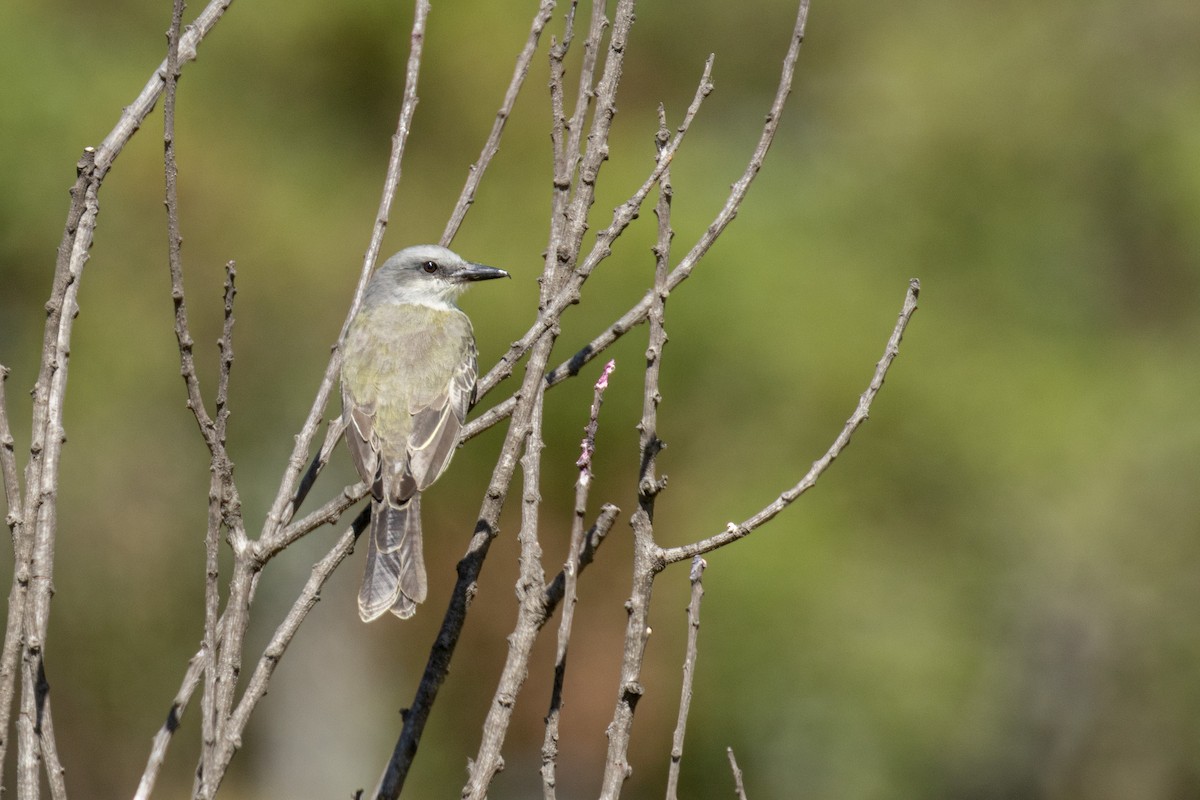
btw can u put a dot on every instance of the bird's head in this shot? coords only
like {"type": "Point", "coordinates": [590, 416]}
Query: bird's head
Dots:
{"type": "Point", "coordinates": [427, 274]}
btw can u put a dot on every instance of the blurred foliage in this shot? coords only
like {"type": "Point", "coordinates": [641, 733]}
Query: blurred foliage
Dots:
{"type": "Point", "coordinates": [992, 594]}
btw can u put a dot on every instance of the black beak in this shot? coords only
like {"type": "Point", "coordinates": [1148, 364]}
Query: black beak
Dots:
{"type": "Point", "coordinates": [478, 272]}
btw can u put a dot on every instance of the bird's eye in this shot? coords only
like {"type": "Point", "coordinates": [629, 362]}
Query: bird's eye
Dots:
{"type": "Point", "coordinates": [430, 267]}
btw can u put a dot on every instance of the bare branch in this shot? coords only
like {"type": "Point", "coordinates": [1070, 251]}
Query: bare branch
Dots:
{"type": "Point", "coordinates": [327, 514]}
{"type": "Point", "coordinates": [16, 598]}
{"type": "Point", "coordinates": [492, 145]}
{"type": "Point", "coordinates": [586, 89]}
{"type": "Point", "coordinates": [195, 400]}
{"type": "Point", "coordinates": [256, 687]}
{"type": "Point", "coordinates": [8, 465]}
{"type": "Point", "coordinates": [637, 314]}
{"type": "Point", "coordinates": [223, 507]}
{"type": "Point", "coordinates": [596, 152]}
{"type": "Point", "coordinates": [134, 115]}
{"type": "Point", "coordinates": [577, 164]}
{"type": "Point", "coordinates": [221, 666]}
{"type": "Point", "coordinates": [162, 739]}
{"type": "Point", "coordinates": [637, 632]}
{"type": "Point", "coordinates": [737, 775]}
{"type": "Point", "coordinates": [55, 772]}
{"type": "Point", "coordinates": [333, 434]}
{"type": "Point", "coordinates": [591, 542]}
{"type": "Point", "coordinates": [570, 574]}
{"type": "Point", "coordinates": [733, 531]}
{"type": "Point", "coordinates": [33, 567]}
{"type": "Point", "coordinates": [214, 439]}
{"type": "Point", "coordinates": [565, 135]}
{"type": "Point", "coordinates": [689, 674]}
{"type": "Point", "coordinates": [231, 506]}
{"type": "Point", "coordinates": [646, 565]}
{"type": "Point", "coordinates": [648, 483]}
{"type": "Point", "coordinates": [561, 258]}
{"type": "Point", "coordinates": [623, 215]}
{"type": "Point", "coordinates": [35, 574]}
{"type": "Point", "coordinates": [531, 614]}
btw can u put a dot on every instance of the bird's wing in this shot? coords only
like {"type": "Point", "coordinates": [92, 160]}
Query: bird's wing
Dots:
{"type": "Point", "coordinates": [436, 426]}
{"type": "Point", "coordinates": [359, 419]}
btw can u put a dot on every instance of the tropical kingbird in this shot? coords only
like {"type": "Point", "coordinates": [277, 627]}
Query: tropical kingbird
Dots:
{"type": "Point", "coordinates": [408, 379]}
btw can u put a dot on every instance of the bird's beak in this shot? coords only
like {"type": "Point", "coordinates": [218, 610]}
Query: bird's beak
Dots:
{"type": "Point", "coordinates": [478, 272]}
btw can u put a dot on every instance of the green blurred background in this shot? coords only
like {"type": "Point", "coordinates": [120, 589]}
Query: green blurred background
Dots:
{"type": "Point", "coordinates": [993, 594]}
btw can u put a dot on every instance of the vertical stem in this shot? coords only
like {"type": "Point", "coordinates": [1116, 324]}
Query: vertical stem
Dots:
{"type": "Point", "coordinates": [689, 674]}
{"type": "Point", "coordinates": [570, 583]}
{"type": "Point", "coordinates": [19, 590]}
{"type": "Point", "coordinates": [41, 484]}
{"type": "Point", "coordinates": [531, 614]}
{"type": "Point", "coordinates": [646, 565]}
{"type": "Point", "coordinates": [647, 559]}
{"type": "Point", "coordinates": [738, 787]}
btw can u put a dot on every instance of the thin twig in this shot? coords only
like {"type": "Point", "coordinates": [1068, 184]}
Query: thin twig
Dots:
{"type": "Point", "coordinates": [195, 670]}
{"type": "Point", "coordinates": [596, 152]}
{"type": "Point", "coordinates": [637, 314]}
{"type": "Point", "coordinates": [492, 145]}
{"type": "Point", "coordinates": [565, 134]}
{"type": "Point", "coordinates": [8, 465]}
{"type": "Point", "coordinates": [219, 673]}
{"type": "Point", "coordinates": [17, 594]}
{"type": "Point", "coordinates": [191, 681]}
{"type": "Point", "coordinates": [637, 630]}
{"type": "Point", "coordinates": [162, 739]}
{"type": "Point", "coordinates": [561, 255]}
{"type": "Point", "coordinates": [649, 484]}
{"type": "Point", "coordinates": [134, 115]}
{"type": "Point", "coordinates": [231, 508]}
{"type": "Point", "coordinates": [223, 507]}
{"type": "Point", "coordinates": [568, 294]}
{"type": "Point", "coordinates": [570, 574]}
{"type": "Point", "coordinates": [586, 90]}
{"type": "Point", "coordinates": [333, 434]}
{"type": "Point", "coordinates": [689, 673]}
{"type": "Point", "coordinates": [531, 614]}
{"type": "Point", "coordinates": [735, 531]}
{"type": "Point", "coordinates": [55, 772]}
{"type": "Point", "coordinates": [29, 597]}
{"type": "Point", "coordinates": [41, 482]}
{"type": "Point", "coordinates": [327, 514]}
{"type": "Point", "coordinates": [222, 494]}
{"type": "Point", "coordinates": [737, 775]}
{"type": "Point", "coordinates": [256, 686]}
{"type": "Point", "coordinates": [26, 624]}
{"type": "Point", "coordinates": [592, 540]}
{"type": "Point", "coordinates": [563, 164]}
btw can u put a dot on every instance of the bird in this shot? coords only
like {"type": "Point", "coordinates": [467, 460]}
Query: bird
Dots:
{"type": "Point", "coordinates": [408, 378]}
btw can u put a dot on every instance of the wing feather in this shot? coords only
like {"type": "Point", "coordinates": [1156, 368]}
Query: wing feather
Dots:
{"type": "Point", "coordinates": [360, 424]}
{"type": "Point", "coordinates": [437, 426]}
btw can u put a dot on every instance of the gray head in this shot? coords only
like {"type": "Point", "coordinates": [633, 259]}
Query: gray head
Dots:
{"type": "Point", "coordinates": [427, 274]}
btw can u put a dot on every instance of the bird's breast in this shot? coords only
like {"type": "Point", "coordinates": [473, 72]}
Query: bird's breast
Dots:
{"type": "Point", "coordinates": [397, 357]}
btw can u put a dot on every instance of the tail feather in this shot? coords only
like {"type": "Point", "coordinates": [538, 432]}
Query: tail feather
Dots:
{"type": "Point", "coordinates": [395, 573]}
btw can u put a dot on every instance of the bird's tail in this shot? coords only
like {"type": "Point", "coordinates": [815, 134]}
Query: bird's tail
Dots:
{"type": "Point", "coordinates": [395, 575]}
